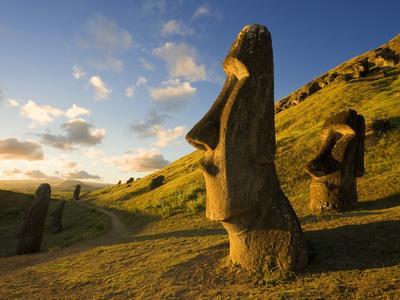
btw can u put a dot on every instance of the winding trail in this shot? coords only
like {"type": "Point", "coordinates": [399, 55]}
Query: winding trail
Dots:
{"type": "Point", "coordinates": [118, 233]}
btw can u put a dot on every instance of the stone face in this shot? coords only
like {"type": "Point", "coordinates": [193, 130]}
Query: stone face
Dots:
{"type": "Point", "coordinates": [237, 135]}
{"type": "Point", "coordinates": [339, 161]}
{"type": "Point", "coordinates": [130, 180]}
{"type": "Point", "coordinates": [119, 182]}
{"type": "Point", "coordinates": [156, 182]}
{"type": "Point", "coordinates": [77, 192]}
{"type": "Point", "coordinates": [56, 225]}
{"type": "Point", "coordinates": [31, 231]}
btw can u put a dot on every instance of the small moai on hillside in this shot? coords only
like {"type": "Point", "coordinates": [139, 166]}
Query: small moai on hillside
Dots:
{"type": "Point", "coordinates": [339, 162]}
{"type": "Point", "coordinates": [77, 192]}
{"type": "Point", "coordinates": [237, 135]}
{"type": "Point", "coordinates": [31, 231]}
{"type": "Point", "coordinates": [156, 182]}
{"type": "Point", "coordinates": [119, 182]}
{"type": "Point", "coordinates": [130, 180]}
{"type": "Point", "coordinates": [56, 224]}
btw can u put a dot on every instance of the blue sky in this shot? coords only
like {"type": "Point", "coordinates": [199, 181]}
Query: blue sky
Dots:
{"type": "Point", "coordinates": [106, 90]}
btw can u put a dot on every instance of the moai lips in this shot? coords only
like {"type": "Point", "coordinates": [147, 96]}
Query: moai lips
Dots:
{"type": "Point", "coordinates": [339, 161]}
{"type": "Point", "coordinates": [237, 135]}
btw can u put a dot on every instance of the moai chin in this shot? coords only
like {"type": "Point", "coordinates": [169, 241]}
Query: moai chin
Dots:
{"type": "Point", "coordinates": [338, 163]}
{"type": "Point", "coordinates": [31, 231]}
{"type": "Point", "coordinates": [77, 192]}
{"type": "Point", "coordinates": [237, 135]}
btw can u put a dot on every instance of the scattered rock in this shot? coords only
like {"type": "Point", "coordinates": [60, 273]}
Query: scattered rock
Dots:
{"type": "Point", "coordinates": [156, 182]}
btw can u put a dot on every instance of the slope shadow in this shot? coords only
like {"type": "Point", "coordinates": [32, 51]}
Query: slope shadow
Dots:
{"type": "Point", "coordinates": [355, 247]}
{"type": "Point", "coordinates": [179, 233]}
{"type": "Point", "coordinates": [382, 203]}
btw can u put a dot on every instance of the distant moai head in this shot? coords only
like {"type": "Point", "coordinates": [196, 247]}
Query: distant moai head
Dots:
{"type": "Point", "coordinates": [43, 191]}
{"type": "Point", "coordinates": [77, 192]}
{"type": "Point", "coordinates": [339, 161]}
{"type": "Point", "coordinates": [238, 132]}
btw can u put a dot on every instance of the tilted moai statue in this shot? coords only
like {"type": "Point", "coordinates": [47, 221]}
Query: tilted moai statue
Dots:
{"type": "Point", "coordinates": [31, 231]}
{"type": "Point", "coordinates": [56, 225]}
{"type": "Point", "coordinates": [338, 163]}
{"type": "Point", "coordinates": [77, 191]}
{"type": "Point", "coordinates": [237, 135]}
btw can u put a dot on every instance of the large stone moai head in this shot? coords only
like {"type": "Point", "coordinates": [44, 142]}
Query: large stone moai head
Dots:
{"type": "Point", "coordinates": [339, 161]}
{"type": "Point", "coordinates": [77, 192]}
{"type": "Point", "coordinates": [237, 135]}
{"type": "Point", "coordinates": [31, 231]}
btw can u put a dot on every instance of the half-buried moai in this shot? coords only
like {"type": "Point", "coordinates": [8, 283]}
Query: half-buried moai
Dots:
{"type": "Point", "coordinates": [31, 231]}
{"type": "Point", "coordinates": [77, 192]}
{"type": "Point", "coordinates": [338, 163]}
{"type": "Point", "coordinates": [56, 224]}
{"type": "Point", "coordinates": [237, 135]}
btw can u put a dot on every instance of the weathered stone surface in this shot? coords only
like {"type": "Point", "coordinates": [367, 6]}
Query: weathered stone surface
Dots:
{"type": "Point", "coordinates": [77, 192]}
{"type": "Point", "coordinates": [56, 224]}
{"type": "Point", "coordinates": [130, 180]}
{"type": "Point", "coordinates": [156, 182]}
{"type": "Point", "coordinates": [31, 231]}
{"type": "Point", "coordinates": [339, 161]}
{"type": "Point", "coordinates": [237, 135]}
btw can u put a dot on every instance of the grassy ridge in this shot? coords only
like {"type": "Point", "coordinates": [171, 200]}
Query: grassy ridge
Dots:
{"type": "Point", "coordinates": [79, 223]}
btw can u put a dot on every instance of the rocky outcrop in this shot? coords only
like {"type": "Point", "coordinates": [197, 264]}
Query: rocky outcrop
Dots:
{"type": "Point", "coordinates": [130, 180]}
{"type": "Point", "coordinates": [371, 65]}
{"type": "Point", "coordinates": [237, 136]}
{"type": "Point", "coordinates": [31, 231]}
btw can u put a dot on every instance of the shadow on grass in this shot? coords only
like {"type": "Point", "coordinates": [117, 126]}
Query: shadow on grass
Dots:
{"type": "Point", "coordinates": [179, 234]}
{"type": "Point", "coordinates": [383, 203]}
{"type": "Point", "coordinates": [355, 247]}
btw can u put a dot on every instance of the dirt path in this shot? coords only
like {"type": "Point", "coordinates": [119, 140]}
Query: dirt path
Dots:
{"type": "Point", "coordinates": [117, 234]}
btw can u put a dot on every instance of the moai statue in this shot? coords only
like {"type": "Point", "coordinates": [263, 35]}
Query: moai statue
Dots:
{"type": "Point", "coordinates": [31, 231]}
{"type": "Point", "coordinates": [237, 135]}
{"type": "Point", "coordinates": [338, 163]}
{"type": "Point", "coordinates": [130, 180]}
{"type": "Point", "coordinates": [77, 191]}
{"type": "Point", "coordinates": [119, 182]}
{"type": "Point", "coordinates": [56, 225]}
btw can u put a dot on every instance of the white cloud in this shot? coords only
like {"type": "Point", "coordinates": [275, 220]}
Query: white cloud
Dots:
{"type": "Point", "coordinates": [40, 114]}
{"type": "Point", "coordinates": [76, 111]}
{"type": "Point", "coordinates": [101, 90]}
{"type": "Point", "coordinates": [109, 63]}
{"type": "Point", "coordinates": [70, 164]}
{"type": "Point", "coordinates": [172, 93]}
{"type": "Point", "coordinates": [182, 61]}
{"type": "Point", "coordinates": [105, 34]}
{"type": "Point", "coordinates": [80, 175]}
{"type": "Point", "coordinates": [14, 149]}
{"type": "Point", "coordinates": [12, 103]}
{"type": "Point", "coordinates": [166, 136]}
{"type": "Point", "coordinates": [141, 80]}
{"type": "Point", "coordinates": [175, 27]}
{"type": "Point", "coordinates": [78, 72]}
{"type": "Point", "coordinates": [129, 91]}
{"type": "Point", "coordinates": [93, 153]}
{"type": "Point", "coordinates": [29, 174]}
{"type": "Point", "coordinates": [77, 132]}
{"type": "Point", "coordinates": [205, 10]}
{"type": "Point", "coordinates": [146, 64]}
{"type": "Point", "coordinates": [142, 161]}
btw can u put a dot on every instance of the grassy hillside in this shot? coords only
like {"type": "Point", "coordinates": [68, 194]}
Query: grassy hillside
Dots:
{"type": "Point", "coordinates": [79, 223]}
{"type": "Point", "coordinates": [174, 252]}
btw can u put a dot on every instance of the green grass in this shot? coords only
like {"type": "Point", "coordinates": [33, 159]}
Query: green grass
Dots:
{"type": "Point", "coordinates": [79, 223]}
